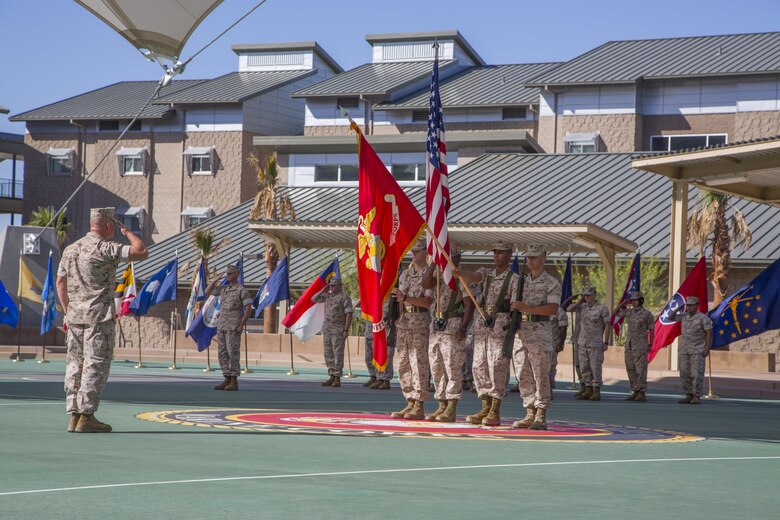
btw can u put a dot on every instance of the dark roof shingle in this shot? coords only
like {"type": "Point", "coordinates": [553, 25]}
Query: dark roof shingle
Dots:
{"type": "Point", "coordinates": [235, 87]}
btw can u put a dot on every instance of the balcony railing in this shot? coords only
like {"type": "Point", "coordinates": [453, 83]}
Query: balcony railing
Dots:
{"type": "Point", "coordinates": [11, 189]}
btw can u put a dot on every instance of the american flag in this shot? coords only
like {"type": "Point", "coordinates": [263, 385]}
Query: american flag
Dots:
{"type": "Point", "coordinates": [437, 192]}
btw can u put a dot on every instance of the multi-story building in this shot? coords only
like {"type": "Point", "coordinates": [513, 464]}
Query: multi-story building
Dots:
{"type": "Point", "coordinates": [184, 158]}
{"type": "Point", "coordinates": [662, 95]}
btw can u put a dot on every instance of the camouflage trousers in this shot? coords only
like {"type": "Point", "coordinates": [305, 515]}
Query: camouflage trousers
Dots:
{"type": "Point", "coordinates": [532, 366]}
{"type": "Point", "coordinates": [446, 355]}
{"type": "Point", "coordinates": [553, 367]}
{"type": "Point", "coordinates": [692, 372]}
{"type": "Point", "coordinates": [413, 367]}
{"type": "Point", "coordinates": [576, 360]}
{"type": "Point", "coordinates": [387, 373]}
{"type": "Point", "coordinates": [468, 359]}
{"type": "Point", "coordinates": [333, 341]}
{"type": "Point", "coordinates": [591, 359]}
{"type": "Point", "coordinates": [229, 352]}
{"type": "Point", "coordinates": [88, 361]}
{"type": "Point", "coordinates": [636, 368]}
{"type": "Point", "coordinates": [490, 367]}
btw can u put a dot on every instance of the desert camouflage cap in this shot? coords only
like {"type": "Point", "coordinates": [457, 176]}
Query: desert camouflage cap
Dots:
{"type": "Point", "coordinates": [535, 250]}
{"type": "Point", "coordinates": [635, 295]}
{"type": "Point", "coordinates": [691, 300]}
{"type": "Point", "coordinates": [101, 212]}
{"type": "Point", "coordinates": [455, 249]}
{"type": "Point", "coordinates": [334, 281]}
{"type": "Point", "coordinates": [589, 291]}
{"type": "Point", "coordinates": [420, 244]}
{"type": "Point", "coordinates": [502, 246]}
{"type": "Point", "coordinates": [232, 269]}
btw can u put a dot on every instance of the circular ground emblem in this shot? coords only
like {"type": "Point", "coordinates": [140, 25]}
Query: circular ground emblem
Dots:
{"type": "Point", "coordinates": [381, 425]}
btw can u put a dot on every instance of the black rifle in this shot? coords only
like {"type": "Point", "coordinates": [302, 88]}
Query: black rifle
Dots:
{"type": "Point", "coordinates": [515, 320]}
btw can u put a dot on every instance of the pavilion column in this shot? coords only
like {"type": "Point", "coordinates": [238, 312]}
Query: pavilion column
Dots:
{"type": "Point", "coordinates": [607, 255]}
{"type": "Point", "coordinates": [677, 250]}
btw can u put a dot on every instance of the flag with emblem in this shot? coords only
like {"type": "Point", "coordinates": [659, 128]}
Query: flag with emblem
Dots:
{"type": "Point", "coordinates": [306, 317]}
{"type": "Point", "coordinates": [632, 285]}
{"type": "Point", "coordinates": [30, 288]}
{"type": "Point", "coordinates": [275, 289]}
{"type": "Point", "coordinates": [667, 329]}
{"type": "Point", "coordinates": [204, 326]}
{"type": "Point", "coordinates": [752, 310]}
{"type": "Point", "coordinates": [383, 238]}
{"type": "Point", "coordinates": [437, 191]}
{"type": "Point", "coordinates": [197, 293]}
{"type": "Point", "coordinates": [9, 313]}
{"type": "Point", "coordinates": [160, 288]}
{"type": "Point", "coordinates": [49, 313]}
{"type": "Point", "coordinates": [125, 291]}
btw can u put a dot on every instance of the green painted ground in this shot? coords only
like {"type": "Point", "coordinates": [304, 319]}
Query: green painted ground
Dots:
{"type": "Point", "coordinates": [141, 470]}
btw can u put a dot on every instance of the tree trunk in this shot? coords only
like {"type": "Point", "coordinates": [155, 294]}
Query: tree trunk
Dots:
{"type": "Point", "coordinates": [269, 314]}
{"type": "Point", "coordinates": [721, 254]}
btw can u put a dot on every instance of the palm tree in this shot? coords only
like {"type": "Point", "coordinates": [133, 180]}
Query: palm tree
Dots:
{"type": "Point", "coordinates": [43, 215]}
{"type": "Point", "coordinates": [205, 243]}
{"type": "Point", "coordinates": [710, 226]}
{"type": "Point", "coordinates": [272, 206]}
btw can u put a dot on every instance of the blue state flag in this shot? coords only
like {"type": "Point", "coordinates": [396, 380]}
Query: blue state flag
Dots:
{"type": "Point", "coordinates": [751, 310]}
{"type": "Point", "coordinates": [48, 298]}
{"type": "Point", "coordinates": [9, 313]}
{"type": "Point", "coordinates": [160, 288]}
{"type": "Point", "coordinates": [516, 265]}
{"type": "Point", "coordinates": [274, 289]}
{"type": "Point", "coordinates": [566, 284]}
{"type": "Point", "coordinates": [240, 265]}
{"type": "Point", "coordinates": [204, 326]}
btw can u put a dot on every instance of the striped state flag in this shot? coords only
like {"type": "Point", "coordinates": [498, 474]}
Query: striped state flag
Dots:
{"type": "Point", "coordinates": [125, 291]}
{"type": "Point", "coordinates": [437, 192]}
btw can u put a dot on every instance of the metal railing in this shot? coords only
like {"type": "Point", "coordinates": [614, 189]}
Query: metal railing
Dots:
{"type": "Point", "coordinates": [7, 189]}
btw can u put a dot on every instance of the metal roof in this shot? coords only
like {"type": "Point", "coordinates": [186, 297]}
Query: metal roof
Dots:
{"type": "Point", "coordinates": [121, 100]}
{"type": "Point", "coordinates": [491, 85]}
{"type": "Point", "coordinates": [235, 87]}
{"type": "Point", "coordinates": [632, 60]}
{"type": "Point", "coordinates": [12, 144]}
{"type": "Point", "coordinates": [372, 79]}
{"type": "Point", "coordinates": [242, 48]}
{"type": "Point", "coordinates": [429, 36]}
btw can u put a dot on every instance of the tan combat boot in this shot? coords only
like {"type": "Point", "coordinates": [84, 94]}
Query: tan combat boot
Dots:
{"type": "Point", "coordinates": [74, 420]}
{"type": "Point", "coordinates": [632, 395]}
{"type": "Point", "coordinates": [477, 417]}
{"type": "Point", "coordinates": [540, 422]}
{"type": "Point", "coordinates": [596, 395]}
{"type": "Point", "coordinates": [383, 385]}
{"type": "Point", "coordinates": [328, 381]}
{"type": "Point", "coordinates": [640, 396]}
{"type": "Point", "coordinates": [493, 418]}
{"type": "Point", "coordinates": [528, 420]}
{"type": "Point", "coordinates": [433, 415]}
{"type": "Point", "coordinates": [336, 382]}
{"type": "Point", "coordinates": [581, 390]}
{"type": "Point", "coordinates": [685, 400]}
{"type": "Point", "coordinates": [450, 413]}
{"type": "Point", "coordinates": [371, 381]}
{"type": "Point", "coordinates": [695, 400]}
{"type": "Point", "coordinates": [89, 424]}
{"type": "Point", "coordinates": [400, 413]}
{"type": "Point", "coordinates": [584, 396]}
{"type": "Point", "coordinates": [232, 385]}
{"type": "Point", "coordinates": [416, 412]}
{"type": "Point", "coordinates": [223, 384]}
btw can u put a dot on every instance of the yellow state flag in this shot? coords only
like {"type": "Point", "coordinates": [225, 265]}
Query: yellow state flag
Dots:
{"type": "Point", "coordinates": [30, 287]}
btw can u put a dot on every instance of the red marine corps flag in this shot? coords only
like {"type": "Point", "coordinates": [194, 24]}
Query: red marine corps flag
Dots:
{"type": "Point", "coordinates": [388, 226]}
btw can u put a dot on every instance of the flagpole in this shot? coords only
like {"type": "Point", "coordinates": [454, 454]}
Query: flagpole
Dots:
{"type": "Point", "coordinates": [292, 371]}
{"type": "Point", "coordinates": [43, 350]}
{"type": "Point", "coordinates": [173, 339]}
{"type": "Point", "coordinates": [710, 395]}
{"type": "Point", "coordinates": [449, 261]}
{"type": "Point", "coordinates": [349, 359]}
{"type": "Point", "coordinates": [140, 360]}
{"type": "Point", "coordinates": [573, 385]}
{"type": "Point", "coordinates": [19, 323]}
{"type": "Point", "coordinates": [246, 370]}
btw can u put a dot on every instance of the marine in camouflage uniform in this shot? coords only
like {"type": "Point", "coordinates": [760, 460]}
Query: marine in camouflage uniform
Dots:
{"type": "Point", "coordinates": [695, 342]}
{"type": "Point", "coordinates": [491, 367]}
{"type": "Point", "coordinates": [560, 325]}
{"type": "Point", "coordinates": [576, 310]}
{"type": "Point", "coordinates": [447, 340]}
{"type": "Point", "coordinates": [592, 344]}
{"type": "Point", "coordinates": [234, 307]}
{"type": "Point", "coordinates": [412, 335]}
{"type": "Point", "coordinates": [640, 323]}
{"type": "Point", "coordinates": [85, 286]}
{"type": "Point", "coordinates": [338, 317]}
{"type": "Point", "coordinates": [538, 338]}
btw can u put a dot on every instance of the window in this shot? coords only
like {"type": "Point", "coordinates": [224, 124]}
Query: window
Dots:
{"type": "Point", "coordinates": [508, 114]}
{"type": "Point", "coordinates": [132, 161]}
{"type": "Point", "coordinates": [581, 143]}
{"type": "Point", "coordinates": [108, 126]}
{"type": "Point", "coordinates": [671, 143]}
{"type": "Point", "coordinates": [335, 173]}
{"type": "Point", "coordinates": [348, 102]}
{"type": "Point", "coordinates": [419, 116]}
{"type": "Point", "coordinates": [135, 127]}
{"type": "Point", "coordinates": [132, 218]}
{"type": "Point", "coordinates": [201, 161]}
{"type": "Point", "coordinates": [408, 172]}
{"type": "Point", "coordinates": [60, 162]}
{"type": "Point", "coordinates": [201, 164]}
{"type": "Point", "coordinates": [118, 126]}
{"type": "Point", "coordinates": [195, 216]}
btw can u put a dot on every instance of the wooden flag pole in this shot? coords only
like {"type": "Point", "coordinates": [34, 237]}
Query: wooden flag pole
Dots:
{"type": "Point", "coordinates": [449, 261]}
{"type": "Point", "coordinates": [208, 360]}
{"type": "Point", "coordinates": [292, 371]}
{"type": "Point", "coordinates": [19, 322]}
{"type": "Point", "coordinates": [710, 395]}
{"type": "Point", "coordinates": [573, 385]}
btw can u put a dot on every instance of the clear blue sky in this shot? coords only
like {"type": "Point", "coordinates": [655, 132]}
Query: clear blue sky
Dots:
{"type": "Point", "coordinates": [54, 49]}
